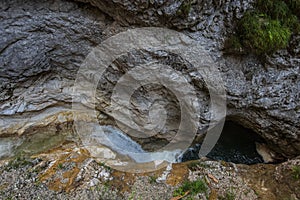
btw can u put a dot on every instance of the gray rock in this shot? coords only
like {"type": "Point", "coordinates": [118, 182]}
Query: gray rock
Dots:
{"type": "Point", "coordinates": [43, 44]}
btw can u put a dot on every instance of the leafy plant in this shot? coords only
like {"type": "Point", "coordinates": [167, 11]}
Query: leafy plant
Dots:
{"type": "Point", "coordinates": [133, 196]}
{"type": "Point", "coordinates": [193, 188]}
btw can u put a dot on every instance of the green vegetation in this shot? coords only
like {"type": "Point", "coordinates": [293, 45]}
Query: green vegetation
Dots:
{"type": "Point", "coordinates": [104, 190]}
{"type": "Point", "coordinates": [107, 185]}
{"type": "Point", "coordinates": [194, 187]}
{"type": "Point", "coordinates": [184, 8]}
{"type": "Point", "coordinates": [152, 179]}
{"type": "Point", "coordinates": [19, 161]}
{"type": "Point", "coordinates": [263, 35]}
{"type": "Point", "coordinates": [37, 182]}
{"type": "Point", "coordinates": [267, 28]}
{"type": "Point", "coordinates": [60, 166]}
{"type": "Point", "coordinates": [285, 12]}
{"type": "Point", "coordinates": [296, 172]}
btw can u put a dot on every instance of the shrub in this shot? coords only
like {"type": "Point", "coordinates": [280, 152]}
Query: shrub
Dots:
{"type": "Point", "coordinates": [233, 44]}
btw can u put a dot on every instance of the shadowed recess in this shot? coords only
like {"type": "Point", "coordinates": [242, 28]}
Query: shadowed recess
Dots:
{"type": "Point", "coordinates": [236, 144]}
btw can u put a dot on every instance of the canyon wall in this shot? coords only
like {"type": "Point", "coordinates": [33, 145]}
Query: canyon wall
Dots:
{"type": "Point", "coordinates": [43, 44]}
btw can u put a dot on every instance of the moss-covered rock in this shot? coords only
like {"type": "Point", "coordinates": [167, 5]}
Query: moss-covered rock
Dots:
{"type": "Point", "coordinates": [266, 29]}
{"type": "Point", "coordinates": [262, 34]}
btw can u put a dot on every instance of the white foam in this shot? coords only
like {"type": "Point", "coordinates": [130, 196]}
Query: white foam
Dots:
{"type": "Point", "coordinates": [123, 144]}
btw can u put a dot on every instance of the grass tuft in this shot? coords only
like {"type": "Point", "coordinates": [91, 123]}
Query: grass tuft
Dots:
{"type": "Point", "coordinates": [193, 187]}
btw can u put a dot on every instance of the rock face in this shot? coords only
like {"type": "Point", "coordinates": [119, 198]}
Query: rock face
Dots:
{"type": "Point", "coordinates": [43, 44]}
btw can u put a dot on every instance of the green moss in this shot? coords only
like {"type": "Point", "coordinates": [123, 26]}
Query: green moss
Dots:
{"type": "Point", "coordinates": [193, 188]}
{"type": "Point", "coordinates": [266, 29]}
{"type": "Point", "coordinates": [284, 11]}
{"type": "Point", "coordinates": [262, 34]}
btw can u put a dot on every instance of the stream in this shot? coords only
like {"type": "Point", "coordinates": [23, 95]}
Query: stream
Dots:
{"type": "Point", "coordinates": [236, 144]}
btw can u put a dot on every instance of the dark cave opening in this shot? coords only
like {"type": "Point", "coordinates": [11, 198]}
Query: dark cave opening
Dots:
{"type": "Point", "coordinates": [236, 144]}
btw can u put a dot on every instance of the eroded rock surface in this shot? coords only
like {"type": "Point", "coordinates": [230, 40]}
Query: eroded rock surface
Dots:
{"type": "Point", "coordinates": [43, 44]}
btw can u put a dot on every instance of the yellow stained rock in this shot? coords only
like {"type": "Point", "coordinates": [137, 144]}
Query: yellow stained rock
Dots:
{"type": "Point", "coordinates": [178, 174]}
{"type": "Point", "coordinates": [60, 179]}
